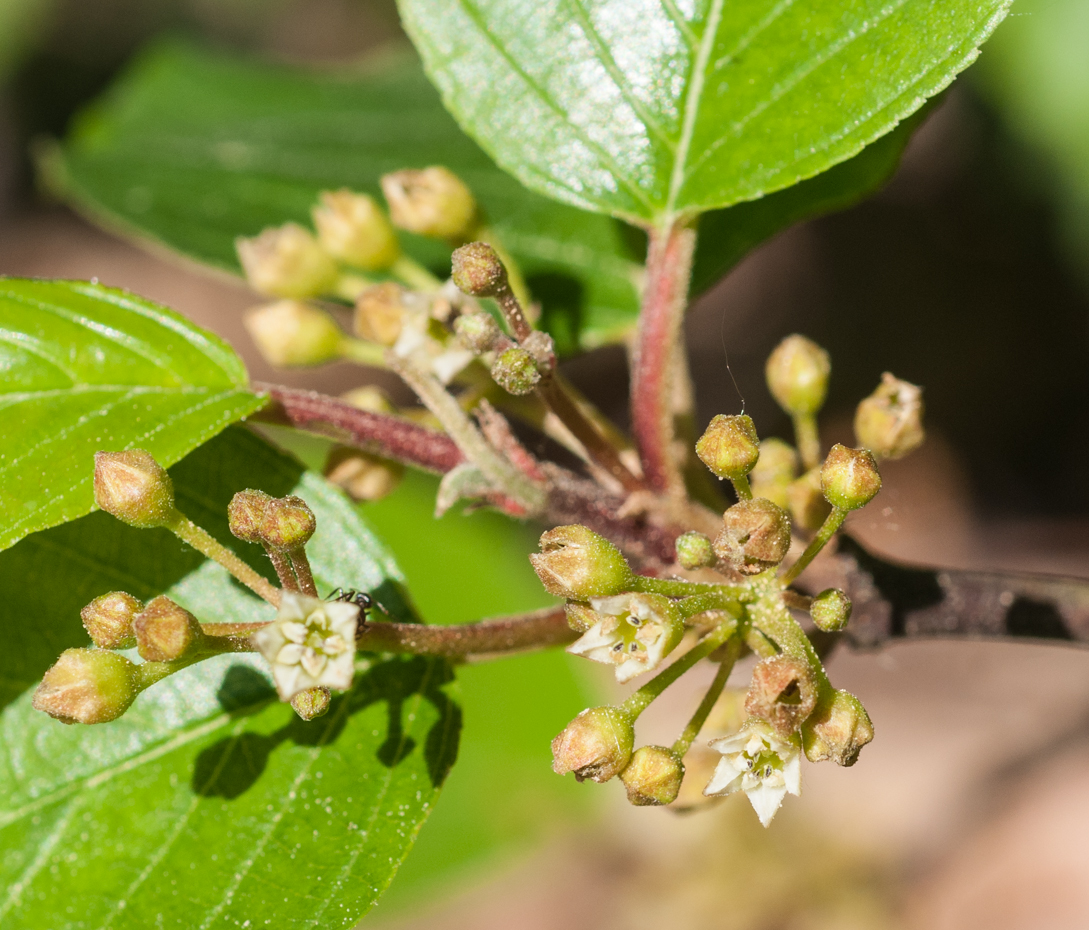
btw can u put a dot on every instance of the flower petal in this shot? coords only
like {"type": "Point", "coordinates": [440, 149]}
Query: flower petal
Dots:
{"type": "Point", "coordinates": [725, 780]}
{"type": "Point", "coordinates": [766, 800]}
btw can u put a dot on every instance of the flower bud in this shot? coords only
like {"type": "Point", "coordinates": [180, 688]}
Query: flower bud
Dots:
{"type": "Point", "coordinates": [289, 523]}
{"type": "Point", "coordinates": [806, 500]}
{"type": "Point", "coordinates": [432, 202]}
{"type": "Point", "coordinates": [290, 333]}
{"type": "Point", "coordinates": [830, 610]}
{"type": "Point", "coordinates": [364, 476]}
{"type": "Point", "coordinates": [108, 619]}
{"type": "Point", "coordinates": [653, 777]}
{"type": "Point", "coordinates": [353, 228]}
{"type": "Point", "coordinates": [478, 331]}
{"type": "Point", "coordinates": [729, 446]}
{"type": "Point", "coordinates": [597, 744]}
{"type": "Point", "coordinates": [774, 471]}
{"type": "Point", "coordinates": [542, 347]}
{"type": "Point", "coordinates": [755, 536]}
{"type": "Point", "coordinates": [890, 421]}
{"type": "Point", "coordinates": [368, 397]}
{"type": "Point", "coordinates": [133, 487]}
{"type": "Point", "coordinates": [837, 730]}
{"type": "Point", "coordinates": [516, 372]}
{"type": "Point", "coordinates": [246, 514]}
{"type": "Point", "coordinates": [578, 564]}
{"type": "Point", "coordinates": [694, 550]}
{"type": "Point", "coordinates": [477, 270]}
{"type": "Point", "coordinates": [797, 374]}
{"type": "Point", "coordinates": [87, 686]}
{"type": "Point", "coordinates": [165, 631]}
{"type": "Point", "coordinates": [286, 261]}
{"type": "Point", "coordinates": [380, 313]}
{"type": "Point", "coordinates": [581, 617]}
{"type": "Point", "coordinates": [312, 703]}
{"type": "Point", "coordinates": [783, 693]}
{"type": "Point", "coordinates": [849, 477]}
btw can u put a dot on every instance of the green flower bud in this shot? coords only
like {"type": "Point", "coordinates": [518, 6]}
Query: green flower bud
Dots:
{"type": "Point", "coordinates": [774, 471]}
{"type": "Point", "coordinates": [87, 686]}
{"type": "Point", "coordinates": [849, 477]}
{"type": "Point", "coordinates": [516, 372]}
{"type": "Point", "coordinates": [364, 476]}
{"type": "Point", "coordinates": [797, 373]}
{"type": "Point", "coordinates": [246, 514]}
{"type": "Point", "coordinates": [289, 523]}
{"type": "Point", "coordinates": [653, 777]}
{"type": "Point", "coordinates": [478, 331]}
{"type": "Point", "coordinates": [292, 334]}
{"type": "Point", "coordinates": [286, 261]}
{"type": "Point", "coordinates": [432, 202]}
{"type": "Point", "coordinates": [783, 693]}
{"type": "Point", "coordinates": [578, 564]}
{"type": "Point", "coordinates": [477, 270]}
{"type": "Point", "coordinates": [837, 730]}
{"type": "Point", "coordinates": [830, 610]}
{"type": "Point", "coordinates": [353, 228]}
{"type": "Point", "coordinates": [312, 703]}
{"type": "Point", "coordinates": [581, 617]}
{"type": "Point", "coordinates": [597, 744]}
{"type": "Point", "coordinates": [694, 550]}
{"type": "Point", "coordinates": [165, 631]}
{"type": "Point", "coordinates": [380, 313]}
{"type": "Point", "coordinates": [729, 446]}
{"type": "Point", "coordinates": [805, 498]}
{"type": "Point", "coordinates": [108, 620]}
{"type": "Point", "coordinates": [755, 536]}
{"type": "Point", "coordinates": [890, 421]}
{"type": "Point", "coordinates": [135, 488]}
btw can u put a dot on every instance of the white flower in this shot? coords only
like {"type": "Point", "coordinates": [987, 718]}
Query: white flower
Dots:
{"type": "Point", "coordinates": [310, 644]}
{"type": "Point", "coordinates": [635, 633]}
{"type": "Point", "coordinates": [418, 344]}
{"type": "Point", "coordinates": [759, 762]}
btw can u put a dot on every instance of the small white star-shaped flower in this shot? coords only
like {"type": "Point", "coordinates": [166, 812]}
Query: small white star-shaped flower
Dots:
{"type": "Point", "coordinates": [310, 644]}
{"type": "Point", "coordinates": [759, 762]}
{"type": "Point", "coordinates": [635, 633]}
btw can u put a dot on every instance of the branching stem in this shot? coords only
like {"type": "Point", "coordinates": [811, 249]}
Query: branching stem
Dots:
{"type": "Point", "coordinates": [699, 718]}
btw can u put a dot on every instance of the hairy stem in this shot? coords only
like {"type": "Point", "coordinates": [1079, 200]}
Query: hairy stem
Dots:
{"type": "Point", "coordinates": [201, 540]}
{"type": "Point", "coordinates": [808, 440]}
{"type": "Point", "coordinates": [828, 529]}
{"type": "Point", "coordinates": [699, 718]}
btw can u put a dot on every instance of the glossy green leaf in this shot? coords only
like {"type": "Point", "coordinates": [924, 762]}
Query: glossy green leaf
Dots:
{"type": "Point", "coordinates": [89, 368]}
{"type": "Point", "coordinates": [655, 109]}
{"type": "Point", "coordinates": [209, 803]}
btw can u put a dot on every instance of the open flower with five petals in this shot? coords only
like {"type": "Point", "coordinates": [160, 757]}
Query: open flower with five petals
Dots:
{"type": "Point", "coordinates": [760, 762]}
{"type": "Point", "coordinates": [634, 632]}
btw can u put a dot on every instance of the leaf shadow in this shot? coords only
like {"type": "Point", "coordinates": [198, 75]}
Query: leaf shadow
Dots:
{"type": "Point", "coordinates": [234, 764]}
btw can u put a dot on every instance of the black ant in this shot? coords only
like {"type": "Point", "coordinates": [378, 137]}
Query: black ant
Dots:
{"type": "Point", "coordinates": [361, 599]}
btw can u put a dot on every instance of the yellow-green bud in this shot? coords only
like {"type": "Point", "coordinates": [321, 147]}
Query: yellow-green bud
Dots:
{"type": "Point", "coordinates": [849, 477]}
{"type": "Point", "coordinates": [516, 371]}
{"type": "Point", "coordinates": [578, 564]}
{"type": "Point", "coordinates": [477, 270]}
{"type": "Point", "coordinates": [729, 446]}
{"type": "Point", "coordinates": [837, 730]}
{"type": "Point", "coordinates": [597, 744]}
{"type": "Point", "coordinates": [364, 476]}
{"type": "Point", "coordinates": [108, 620]}
{"type": "Point", "coordinates": [774, 471]}
{"type": "Point", "coordinates": [580, 617]}
{"type": "Point", "coordinates": [368, 397]}
{"type": "Point", "coordinates": [87, 686]}
{"type": "Point", "coordinates": [783, 693]}
{"type": "Point", "coordinates": [830, 610]}
{"type": "Point", "coordinates": [797, 373]}
{"type": "Point", "coordinates": [432, 202]}
{"type": "Point", "coordinates": [380, 313]}
{"type": "Point", "coordinates": [312, 704]}
{"type": "Point", "coordinates": [653, 777]}
{"type": "Point", "coordinates": [890, 421]}
{"type": "Point", "coordinates": [805, 498]}
{"type": "Point", "coordinates": [353, 228]}
{"type": "Point", "coordinates": [286, 261]}
{"type": "Point", "coordinates": [694, 550]}
{"type": "Point", "coordinates": [165, 631]}
{"type": "Point", "coordinates": [290, 334]}
{"type": "Point", "coordinates": [478, 331]}
{"type": "Point", "coordinates": [755, 536]}
{"type": "Point", "coordinates": [246, 514]}
{"type": "Point", "coordinates": [289, 523]}
{"type": "Point", "coordinates": [135, 488]}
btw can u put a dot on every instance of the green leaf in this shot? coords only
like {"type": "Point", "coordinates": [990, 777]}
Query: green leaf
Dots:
{"type": "Point", "coordinates": [90, 368]}
{"type": "Point", "coordinates": [208, 804]}
{"type": "Point", "coordinates": [667, 108]}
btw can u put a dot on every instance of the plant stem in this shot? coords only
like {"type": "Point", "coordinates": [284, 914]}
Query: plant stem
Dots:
{"type": "Point", "coordinates": [201, 540]}
{"type": "Point", "coordinates": [699, 718]}
{"type": "Point", "coordinates": [300, 564]}
{"type": "Point", "coordinates": [808, 440]}
{"type": "Point", "coordinates": [832, 522]}
{"type": "Point", "coordinates": [742, 488]}
{"type": "Point", "coordinates": [284, 572]}
{"type": "Point", "coordinates": [676, 587]}
{"type": "Point", "coordinates": [412, 273]}
{"type": "Point", "coordinates": [669, 269]}
{"type": "Point", "coordinates": [363, 353]}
